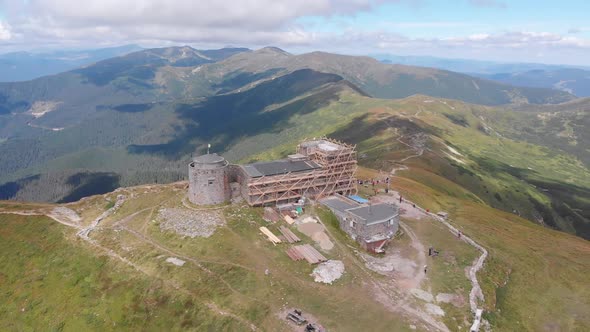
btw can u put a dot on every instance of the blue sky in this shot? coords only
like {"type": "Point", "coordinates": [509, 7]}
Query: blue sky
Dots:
{"type": "Point", "coordinates": [499, 30]}
{"type": "Point", "coordinates": [427, 19]}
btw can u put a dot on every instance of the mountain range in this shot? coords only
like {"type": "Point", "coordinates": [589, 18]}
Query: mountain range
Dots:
{"type": "Point", "coordinates": [509, 165]}
{"type": "Point", "coordinates": [138, 118]}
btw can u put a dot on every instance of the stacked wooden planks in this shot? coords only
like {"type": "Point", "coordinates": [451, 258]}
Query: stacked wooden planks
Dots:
{"type": "Point", "coordinates": [271, 214]}
{"type": "Point", "coordinates": [294, 254]}
{"type": "Point", "coordinates": [289, 235]}
{"type": "Point", "coordinates": [306, 252]}
{"type": "Point", "coordinates": [273, 238]}
{"type": "Point", "coordinates": [289, 220]}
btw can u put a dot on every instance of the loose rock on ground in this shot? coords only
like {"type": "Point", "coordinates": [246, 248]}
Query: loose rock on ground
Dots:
{"type": "Point", "coordinates": [190, 223]}
{"type": "Point", "coordinates": [175, 261]}
{"type": "Point", "coordinates": [328, 272]}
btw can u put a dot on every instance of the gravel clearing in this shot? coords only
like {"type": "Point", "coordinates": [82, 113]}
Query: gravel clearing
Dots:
{"type": "Point", "coordinates": [175, 261]}
{"type": "Point", "coordinates": [392, 263]}
{"type": "Point", "coordinates": [434, 309]}
{"type": "Point", "coordinates": [316, 232]}
{"type": "Point", "coordinates": [422, 295]}
{"type": "Point", "coordinates": [328, 272]}
{"type": "Point", "coordinates": [66, 213]}
{"type": "Point", "coordinates": [189, 222]}
{"type": "Point", "coordinates": [445, 297]}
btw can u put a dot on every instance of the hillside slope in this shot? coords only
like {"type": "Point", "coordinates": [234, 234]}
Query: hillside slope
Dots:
{"type": "Point", "coordinates": [138, 143]}
{"type": "Point", "coordinates": [122, 278]}
{"type": "Point", "coordinates": [391, 81]}
{"type": "Point", "coordinates": [139, 118]}
{"type": "Point", "coordinates": [459, 142]}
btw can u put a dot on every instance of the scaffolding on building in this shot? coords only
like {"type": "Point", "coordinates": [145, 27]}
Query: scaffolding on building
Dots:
{"type": "Point", "coordinates": [336, 175]}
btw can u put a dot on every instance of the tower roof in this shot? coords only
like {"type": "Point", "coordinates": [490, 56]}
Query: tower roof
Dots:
{"type": "Point", "coordinates": [209, 159]}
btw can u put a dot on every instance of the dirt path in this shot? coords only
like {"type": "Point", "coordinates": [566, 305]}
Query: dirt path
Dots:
{"type": "Point", "coordinates": [211, 305]}
{"type": "Point", "coordinates": [419, 247]}
{"type": "Point", "coordinates": [476, 292]}
{"type": "Point", "coordinates": [419, 151]}
{"type": "Point", "coordinates": [417, 212]}
{"type": "Point", "coordinates": [86, 231]}
{"type": "Point", "coordinates": [84, 234]}
{"type": "Point", "coordinates": [187, 205]}
{"type": "Point", "coordinates": [386, 292]}
{"type": "Point", "coordinates": [49, 215]}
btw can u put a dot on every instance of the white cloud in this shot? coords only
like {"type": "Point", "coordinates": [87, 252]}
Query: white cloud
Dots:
{"type": "Point", "coordinates": [5, 31]}
{"type": "Point", "coordinates": [249, 14]}
{"type": "Point", "coordinates": [256, 23]}
{"type": "Point", "coordinates": [250, 22]}
{"type": "Point", "coordinates": [520, 39]}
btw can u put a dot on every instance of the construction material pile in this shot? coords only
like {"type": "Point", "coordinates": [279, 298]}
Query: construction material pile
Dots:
{"type": "Point", "coordinates": [307, 252]}
{"type": "Point", "coordinates": [289, 235]}
{"type": "Point", "coordinates": [271, 237]}
{"type": "Point", "coordinates": [271, 215]}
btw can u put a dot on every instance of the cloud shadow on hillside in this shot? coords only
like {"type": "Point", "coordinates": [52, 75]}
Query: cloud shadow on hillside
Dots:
{"type": "Point", "coordinates": [227, 118]}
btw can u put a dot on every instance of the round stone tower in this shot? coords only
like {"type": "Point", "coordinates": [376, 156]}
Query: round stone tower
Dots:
{"type": "Point", "coordinates": [208, 180]}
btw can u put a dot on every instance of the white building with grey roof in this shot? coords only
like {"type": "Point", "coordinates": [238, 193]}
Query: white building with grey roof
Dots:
{"type": "Point", "coordinates": [372, 226]}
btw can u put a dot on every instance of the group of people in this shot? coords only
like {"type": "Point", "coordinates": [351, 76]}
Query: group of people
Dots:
{"type": "Point", "coordinates": [374, 182]}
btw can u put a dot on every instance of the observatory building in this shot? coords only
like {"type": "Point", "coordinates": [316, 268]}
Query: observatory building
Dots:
{"type": "Point", "coordinates": [319, 168]}
{"type": "Point", "coordinates": [208, 177]}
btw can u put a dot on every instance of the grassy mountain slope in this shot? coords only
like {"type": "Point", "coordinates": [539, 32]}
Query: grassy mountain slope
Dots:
{"type": "Point", "coordinates": [153, 143]}
{"type": "Point", "coordinates": [49, 272]}
{"type": "Point", "coordinates": [534, 279]}
{"type": "Point", "coordinates": [390, 81]}
{"type": "Point", "coordinates": [222, 285]}
{"type": "Point", "coordinates": [138, 118]}
{"type": "Point", "coordinates": [447, 138]}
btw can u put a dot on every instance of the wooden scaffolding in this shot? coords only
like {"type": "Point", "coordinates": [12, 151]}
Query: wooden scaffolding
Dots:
{"type": "Point", "coordinates": [336, 175]}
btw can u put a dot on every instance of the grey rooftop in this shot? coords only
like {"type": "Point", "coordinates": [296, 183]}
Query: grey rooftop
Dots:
{"type": "Point", "coordinates": [338, 204]}
{"type": "Point", "coordinates": [276, 167]}
{"type": "Point", "coordinates": [209, 161]}
{"type": "Point", "coordinates": [368, 213]}
{"type": "Point", "coordinates": [375, 213]}
{"type": "Point", "coordinates": [212, 158]}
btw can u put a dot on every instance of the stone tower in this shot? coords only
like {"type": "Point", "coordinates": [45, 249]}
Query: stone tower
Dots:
{"type": "Point", "coordinates": [208, 180]}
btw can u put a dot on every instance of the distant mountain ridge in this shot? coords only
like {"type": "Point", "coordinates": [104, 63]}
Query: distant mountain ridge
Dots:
{"type": "Point", "coordinates": [572, 80]}
{"type": "Point", "coordinates": [24, 66]}
{"type": "Point", "coordinates": [469, 66]}
{"type": "Point", "coordinates": [569, 78]}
